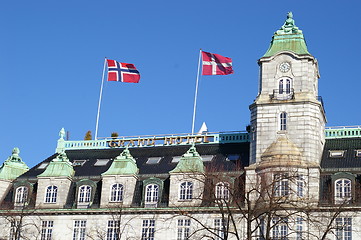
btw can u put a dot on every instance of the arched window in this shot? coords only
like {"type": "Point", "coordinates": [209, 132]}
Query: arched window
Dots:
{"type": "Point", "coordinates": [21, 194]}
{"type": "Point", "coordinates": [116, 192]}
{"type": "Point", "coordinates": [222, 191]}
{"type": "Point", "coordinates": [280, 86]}
{"type": "Point", "coordinates": [186, 191]}
{"type": "Point", "coordinates": [284, 86]}
{"type": "Point", "coordinates": [288, 86]}
{"type": "Point", "coordinates": [343, 189]}
{"type": "Point", "coordinates": [151, 193]}
{"type": "Point", "coordinates": [51, 194]}
{"type": "Point", "coordinates": [283, 121]}
{"type": "Point", "coordinates": [84, 193]}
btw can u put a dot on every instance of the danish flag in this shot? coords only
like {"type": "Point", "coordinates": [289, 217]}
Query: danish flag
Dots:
{"type": "Point", "coordinates": [215, 64]}
{"type": "Point", "coordinates": [122, 72]}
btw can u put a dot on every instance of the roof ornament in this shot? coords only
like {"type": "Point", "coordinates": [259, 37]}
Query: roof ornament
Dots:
{"type": "Point", "coordinates": [203, 129]}
{"type": "Point", "coordinates": [15, 156]}
{"type": "Point", "coordinates": [62, 133]}
{"type": "Point", "coordinates": [289, 26]}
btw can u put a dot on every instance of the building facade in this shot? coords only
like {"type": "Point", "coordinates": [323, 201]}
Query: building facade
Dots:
{"type": "Point", "coordinates": [286, 177]}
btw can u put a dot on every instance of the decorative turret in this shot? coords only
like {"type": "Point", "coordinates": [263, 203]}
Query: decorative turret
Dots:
{"type": "Point", "coordinates": [13, 167]}
{"type": "Point", "coordinates": [190, 162]}
{"type": "Point", "coordinates": [59, 167]}
{"type": "Point", "coordinates": [288, 38]}
{"type": "Point", "coordinates": [187, 177]}
{"type": "Point", "coordinates": [123, 172]}
{"type": "Point", "coordinates": [124, 164]}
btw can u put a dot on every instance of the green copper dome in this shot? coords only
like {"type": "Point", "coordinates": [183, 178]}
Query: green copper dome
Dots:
{"type": "Point", "coordinates": [59, 167]}
{"type": "Point", "coordinates": [124, 164]}
{"type": "Point", "coordinates": [190, 162]}
{"type": "Point", "coordinates": [13, 167]}
{"type": "Point", "coordinates": [288, 38]}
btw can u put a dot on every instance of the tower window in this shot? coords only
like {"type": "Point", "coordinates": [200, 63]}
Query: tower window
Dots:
{"type": "Point", "coordinates": [116, 193]}
{"type": "Point", "coordinates": [284, 86]}
{"type": "Point", "coordinates": [283, 121]}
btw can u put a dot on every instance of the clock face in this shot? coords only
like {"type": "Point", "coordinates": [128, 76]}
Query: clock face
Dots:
{"type": "Point", "coordinates": [285, 67]}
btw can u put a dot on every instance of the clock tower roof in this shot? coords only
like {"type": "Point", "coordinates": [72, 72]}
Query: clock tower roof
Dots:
{"type": "Point", "coordinates": [288, 38]}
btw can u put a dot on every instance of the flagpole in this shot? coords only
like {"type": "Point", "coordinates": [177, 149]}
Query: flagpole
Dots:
{"type": "Point", "coordinates": [196, 93]}
{"type": "Point", "coordinates": [100, 99]}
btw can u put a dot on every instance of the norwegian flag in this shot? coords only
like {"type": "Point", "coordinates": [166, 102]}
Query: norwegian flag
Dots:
{"type": "Point", "coordinates": [122, 72]}
{"type": "Point", "coordinates": [215, 64]}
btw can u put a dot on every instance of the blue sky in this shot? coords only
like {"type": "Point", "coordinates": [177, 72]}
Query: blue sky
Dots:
{"type": "Point", "coordinates": [52, 54]}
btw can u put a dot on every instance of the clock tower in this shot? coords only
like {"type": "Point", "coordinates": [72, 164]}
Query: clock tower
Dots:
{"type": "Point", "coordinates": [288, 113]}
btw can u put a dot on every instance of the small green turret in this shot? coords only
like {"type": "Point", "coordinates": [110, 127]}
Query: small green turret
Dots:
{"type": "Point", "coordinates": [59, 167]}
{"type": "Point", "coordinates": [190, 162]}
{"type": "Point", "coordinates": [124, 164]}
{"type": "Point", "coordinates": [13, 167]}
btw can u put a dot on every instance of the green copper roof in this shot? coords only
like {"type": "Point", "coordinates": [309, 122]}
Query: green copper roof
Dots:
{"type": "Point", "coordinates": [13, 167]}
{"type": "Point", "coordinates": [124, 164]}
{"type": "Point", "coordinates": [288, 38]}
{"type": "Point", "coordinates": [191, 161]}
{"type": "Point", "coordinates": [59, 167]}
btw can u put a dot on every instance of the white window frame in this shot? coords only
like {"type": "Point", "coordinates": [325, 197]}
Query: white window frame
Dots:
{"type": "Point", "coordinates": [151, 194]}
{"type": "Point", "coordinates": [279, 228]}
{"type": "Point", "coordinates": [283, 121]}
{"type": "Point", "coordinates": [21, 195]}
{"type": "Point", "coordinates": [300, 185]}
{"type": "Point", "coordinates": [148, 229]}
{"type": "Point", "coordinates": [281, 185]}
{"type": "Point", "coordinates": [84, 194]}
{"type": "Point", "coordinates": [284, 85]}
{"type": "Point", "coordinates": [299, 228]}
{"type": "Point", "coordinates": [222, 191]}
{"type": "Point", "coordinates": [79, 230]}
{"type": "Point", "coordinates": [186, 190]}
{"type": "Point", "coordinates": [46, 230]}
{"type": "Point", "coordinates": [51, 194]}
{"type": "Point", "coordinates": [343, 190]}
{"type": "Point", "coordinates": [116, 192]}
{"type": "Point", "coordinates": [344, 228]}
{"type": "Point", "coordinates": [219, 228]}
{"type": "Point", "coordinates": [183, 229]}
{"type": "Point", "coordinates": [113, 230]}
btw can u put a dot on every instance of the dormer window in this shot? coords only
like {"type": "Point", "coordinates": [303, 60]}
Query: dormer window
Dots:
{"type": "Point", "coordinates": [283, 121]}
{"type": "Point", "coordinates": [84, 194]}
{"type": "Point", "coordinates": [336, 153]}
{"type": "Point", "coordinates": [186, 191]}
{"type": "Point", "coordinates": [222, 191]}
{"type": "Point", "coordinates": [343, 191]}
{"type": "Point", "coordinates": [51, 194]}
{"type": "Point", "coordinates": [116, 193]}
{"type": "Point", "coordinates": [21, 195]}
{"type": "Point", "coordinates": [358, 153]}
{"type": "Point", "coordinates": [151, 195]}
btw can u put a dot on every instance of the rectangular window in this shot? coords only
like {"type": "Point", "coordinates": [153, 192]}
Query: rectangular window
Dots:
{"type": "Point", "coordinates": [281, 185]}
{"type": "Point", "coordinates": [279, 228]}
{"type": "Point", "coordinates": [299, 228]}
{"type": "Point", "coordinates": [336, 153]}
{"type": "Point", "coordinates": [148, 229]}
{"type": "Point", "coordinates": [219, 228]}
{"type": "Point", "coordinates": [344, 228]}
{"type": "Point", "coordinates": [113, 230]}
{"type": "Point", "coordinates": [101, 162]}
{"type": "Point", "coordinates": [15, 230]}
{"type": "Point", "coordinates": [47, 230]}
{"type": "Point", "coordinates": [358, 153]}
{"type": "Point", "coordinates": [183, 229]}
{"type": "Point", "coordinates": [79, 230]}
{"type": "Point", "coordinates": [300, 181]}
